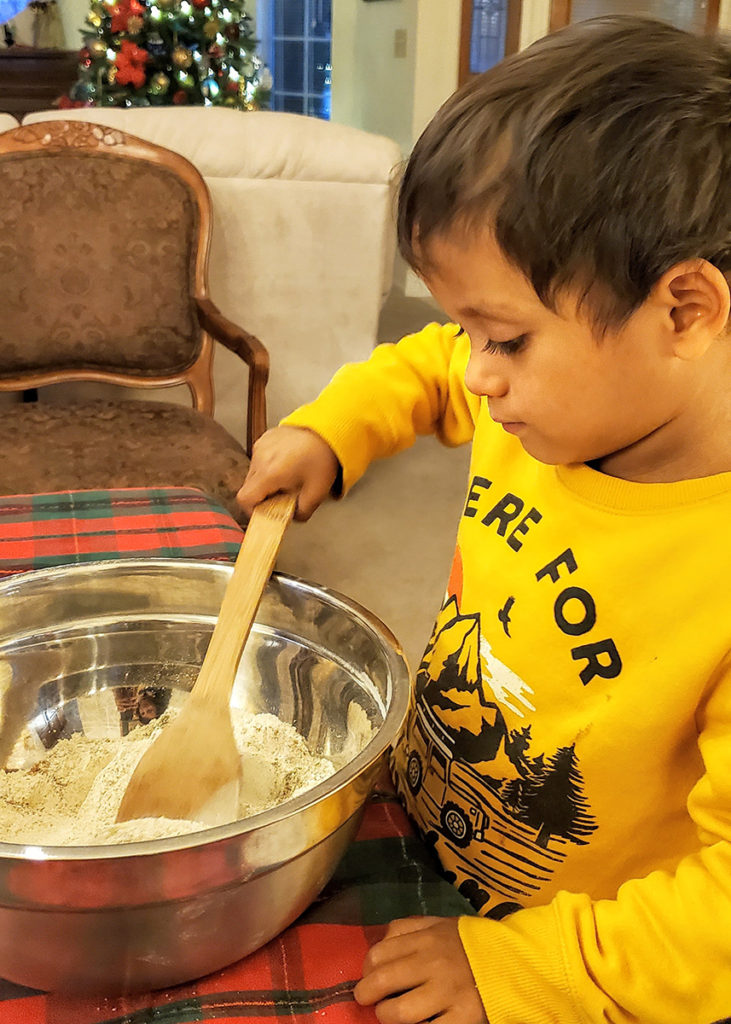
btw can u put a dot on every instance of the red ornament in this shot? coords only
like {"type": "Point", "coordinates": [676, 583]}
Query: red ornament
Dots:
{"type": "Point", "coordinates": [130, 63]}
{"type": "Point", "coordinates": [64, 103]}
{"type": "Point", "coordinates": [200, 4]}
{"type": "Point", "coordinates": [232, 86]}
{"type": "Point", "coordinates": [180, 97]}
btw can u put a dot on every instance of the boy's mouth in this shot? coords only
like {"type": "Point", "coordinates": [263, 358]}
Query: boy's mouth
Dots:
{"type": "Point", "coordinates": [512, 426]}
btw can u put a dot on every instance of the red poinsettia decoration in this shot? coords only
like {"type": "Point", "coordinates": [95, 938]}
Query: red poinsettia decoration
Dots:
{"type": "Point", "coordinates": [130, 62]}
{"type": "Point", "coordinates": [122, 11]}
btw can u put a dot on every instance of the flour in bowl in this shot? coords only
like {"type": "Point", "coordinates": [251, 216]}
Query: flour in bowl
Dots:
{"type": "Point", "coordinates": [71, 796]}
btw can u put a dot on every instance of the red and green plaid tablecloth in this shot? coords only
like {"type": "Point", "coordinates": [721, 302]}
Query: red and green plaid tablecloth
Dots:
{"type": "Point", "coordinates": [41, 530]}
{"type": "Point", "coordinates": [307, 973]}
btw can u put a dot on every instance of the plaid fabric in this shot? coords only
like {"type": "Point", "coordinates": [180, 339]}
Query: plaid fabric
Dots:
{"type": "Point", "coordinates": [307, 973]}
{"type": "Point", "coordinates": [70, 527]}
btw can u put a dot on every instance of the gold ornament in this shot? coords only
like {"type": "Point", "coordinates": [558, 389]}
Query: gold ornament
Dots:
{"type": "Point", "coordinates": [211, 28]}
{"type": "Point", "coordinates": [97, 49]}
{"type": "Point", "coordinates": [159, 84]}
{"type": "Point", "coordinates": [94, 19]}
{"type": "Point", "coordinates": [134, 24]}
{"type": "Point", "coordinates": [112, 74]}
{"type": "Point", "coordinates": [182, 57]}
{"type": "Point", "coordinates": [165, 5]}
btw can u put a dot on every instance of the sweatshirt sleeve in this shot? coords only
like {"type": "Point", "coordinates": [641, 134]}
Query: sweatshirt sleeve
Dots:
{"type": "Point", "coordinates": [376, 408]}
{"type": "Point", "coordinates": [659, 953]}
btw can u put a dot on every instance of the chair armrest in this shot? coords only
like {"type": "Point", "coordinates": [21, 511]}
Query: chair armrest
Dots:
{"type": "Point", "coordinates": [254, 354]}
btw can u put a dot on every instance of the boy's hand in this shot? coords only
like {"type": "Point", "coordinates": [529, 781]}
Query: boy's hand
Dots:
{"type": "Point", "coordinates": [293, 460]}
{"type": "Point", "coordinates": [419, 972]}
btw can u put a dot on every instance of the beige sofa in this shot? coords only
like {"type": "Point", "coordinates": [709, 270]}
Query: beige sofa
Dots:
{"type": "Point", "coordinates": [303, 238]}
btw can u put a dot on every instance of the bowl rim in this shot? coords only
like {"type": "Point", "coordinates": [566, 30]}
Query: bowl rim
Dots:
{"type": "Point", "coordinates": [395, 715]}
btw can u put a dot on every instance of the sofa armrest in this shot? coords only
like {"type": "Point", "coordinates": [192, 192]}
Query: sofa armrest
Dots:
{"type": "Point", "coordinates": [254, 354]}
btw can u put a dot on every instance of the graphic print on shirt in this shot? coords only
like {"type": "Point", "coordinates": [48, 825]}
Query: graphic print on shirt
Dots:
{"type": "Point", "coordinates": [499, 813]}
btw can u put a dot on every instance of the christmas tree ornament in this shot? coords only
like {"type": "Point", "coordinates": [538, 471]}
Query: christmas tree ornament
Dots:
{"type": "Point", "coordinates": [165, 5]}
{"type": "Point", "coordinates": [180, 97]}
{"type": "Point", "coordinates": [159, 84]}
{"type": "Point", "coordinates": [155, 45]}
{"type": "Point", "coordinates": [97, 49]}
{"type": "Point", "coordinates": [182, 57]}
{"type": "Point", "coordinates": [210, 89]}
{"type": "Point", "coordinates": [231, 32]}
{"type": "Point", "coordinates": [94, 19]}
{"type": "Point", "coordinates": [212, 28]}
{"type": "Point", "coordinates": [134, 25]}
{"type": "Point", "coordinates": [112, 74]}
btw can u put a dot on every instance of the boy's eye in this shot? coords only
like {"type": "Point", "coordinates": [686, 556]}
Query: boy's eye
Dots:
{"type": "Point", "coordinates": [505, 348]}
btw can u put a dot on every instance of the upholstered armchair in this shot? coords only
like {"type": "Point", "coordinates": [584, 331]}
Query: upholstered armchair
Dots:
{"type": "Point", "coordinates": [104, 242]}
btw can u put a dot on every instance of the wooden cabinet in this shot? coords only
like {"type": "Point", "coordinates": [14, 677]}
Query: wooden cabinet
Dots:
{"type": "Point", "coordinates": [34, 79]}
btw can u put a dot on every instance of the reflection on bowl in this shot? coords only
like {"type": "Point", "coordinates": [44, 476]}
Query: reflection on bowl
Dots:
{"type": "Point", "coordinates": [157, 913]}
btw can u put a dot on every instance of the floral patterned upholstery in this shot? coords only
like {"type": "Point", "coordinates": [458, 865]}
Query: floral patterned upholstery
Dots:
{"type": "Point", "coordinates": [102, 444]}
{"type": "Point", "coordinates": [102, 278]}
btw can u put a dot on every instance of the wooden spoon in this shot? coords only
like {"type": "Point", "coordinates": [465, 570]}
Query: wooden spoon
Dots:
{"type": "Point", "coordinates": [192, 769]}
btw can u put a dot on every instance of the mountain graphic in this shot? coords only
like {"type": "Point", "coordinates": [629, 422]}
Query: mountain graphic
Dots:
{"type": "Point", "coordinates": [449, 680]}
{"type": "Point", "coordinates": [543, 791]}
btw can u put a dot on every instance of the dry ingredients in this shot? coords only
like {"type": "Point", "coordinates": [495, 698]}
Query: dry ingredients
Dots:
{"type": "Point", "coordinates": [71, 796]}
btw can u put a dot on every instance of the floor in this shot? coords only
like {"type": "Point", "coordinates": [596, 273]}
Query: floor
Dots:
{"type": "Point", "coordinates": [389, 543]}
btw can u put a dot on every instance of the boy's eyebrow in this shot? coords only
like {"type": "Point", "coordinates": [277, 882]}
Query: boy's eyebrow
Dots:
{"type": "Point", "coordinates": [496, 313]}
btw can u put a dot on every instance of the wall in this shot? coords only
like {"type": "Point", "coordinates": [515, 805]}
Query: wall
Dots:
{"type": "Point", "coordinates": [373, 82]}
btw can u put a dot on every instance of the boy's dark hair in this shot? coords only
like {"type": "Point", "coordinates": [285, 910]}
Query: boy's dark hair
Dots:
{"type": "Point", "coordinates": [599, 157]}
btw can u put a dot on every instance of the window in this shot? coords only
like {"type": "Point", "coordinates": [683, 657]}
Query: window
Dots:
{"type": "Point", "coordinates": [296, 46]}
{"type": "Point", "coordinates": [490, 30]}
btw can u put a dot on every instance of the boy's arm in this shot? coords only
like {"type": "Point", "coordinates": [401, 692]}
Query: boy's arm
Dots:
{"type": "Point", "coordinates": [376, 408]}
{"type": "Point", "coordinates": [659, 953]}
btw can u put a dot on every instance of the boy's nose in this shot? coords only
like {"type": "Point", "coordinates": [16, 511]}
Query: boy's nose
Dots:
{"type": "Point", "coordinates": [484, 379]}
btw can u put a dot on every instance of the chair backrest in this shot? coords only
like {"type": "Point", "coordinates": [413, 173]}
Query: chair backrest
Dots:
{"type": "Point", "coordinates": [104, 242]}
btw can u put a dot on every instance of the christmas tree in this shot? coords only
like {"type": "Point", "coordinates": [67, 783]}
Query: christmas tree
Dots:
{"type": "Point", "coordinates": [157, 52]}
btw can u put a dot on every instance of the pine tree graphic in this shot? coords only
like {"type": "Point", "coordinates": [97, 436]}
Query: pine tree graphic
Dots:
{"type": "Point", "coordinates": [553, 802]}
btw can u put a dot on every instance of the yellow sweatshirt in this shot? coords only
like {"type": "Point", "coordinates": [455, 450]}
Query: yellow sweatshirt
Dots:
{"type": "Point", "coordinates": [568, 748]}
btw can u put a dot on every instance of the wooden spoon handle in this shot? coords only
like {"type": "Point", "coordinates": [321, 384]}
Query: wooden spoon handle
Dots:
{"type": "Point", "coordinates": [252, 569]}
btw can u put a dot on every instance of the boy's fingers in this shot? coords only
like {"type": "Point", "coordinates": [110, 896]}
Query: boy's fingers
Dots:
{"type": "Point", "coordinates": [404, 925]}
{"type": "Point", "coordinates": [420, 1004]}
{"type": "Point", "coordinates": [390, 979]}
{"type": "Point", "coordinates": [402, 939]}
{"type": "Point", "coordinates": [309, 500]}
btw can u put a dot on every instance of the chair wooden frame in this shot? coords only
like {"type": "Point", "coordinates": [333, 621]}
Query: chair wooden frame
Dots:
{"type": "Point", "coordinates": [53, 136]}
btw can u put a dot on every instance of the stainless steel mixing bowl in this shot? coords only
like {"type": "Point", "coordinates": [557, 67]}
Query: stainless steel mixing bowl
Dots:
{"type": "Point", "coordinates": [156, 913]}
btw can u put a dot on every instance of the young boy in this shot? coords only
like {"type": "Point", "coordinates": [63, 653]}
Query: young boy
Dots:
{"type": "Point", "coordinates": [568, 749]}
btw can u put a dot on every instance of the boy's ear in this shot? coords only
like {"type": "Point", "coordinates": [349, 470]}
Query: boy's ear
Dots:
{"type": "Point", "coordinates": [697, 298]}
